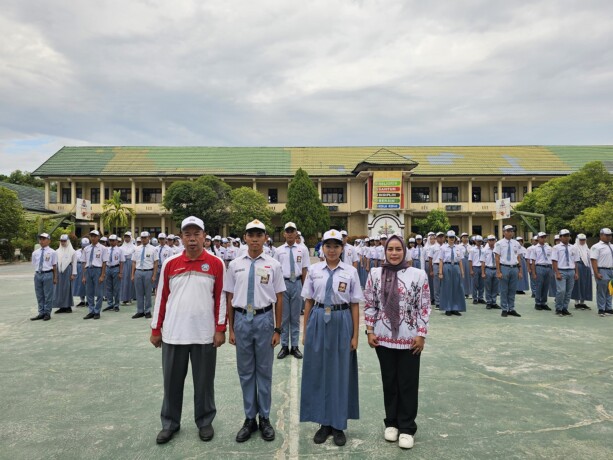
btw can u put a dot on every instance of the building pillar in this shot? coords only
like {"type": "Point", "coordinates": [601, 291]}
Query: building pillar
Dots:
{"type": "Point", "coordinates": [163, 190]}
{"type": "Point", "coordinates": [348, 195]}
{"type": "Point", "coordinates": [470, 191]}
{"type": "Point", "coordinates": [47, 194]}
{"type": "Point", "coordinates": [133, 227]}
{"type": "Point", "coordinates": [470, 224]}
{"type": "Point", "coordinates": [58, 194]}
{"type": "Point", "coordinates": [133, 193]}
{"type": "Point", "coordinates": [319, 188]}
{"type": "Point", "coordinates": [101, 226]}
{"type": "Point", "coordinates": [530, 186]}
{"type": "Point", "coordinates": [500, 190]}
{"type": "Point", "coordinates": [407, 196]}
{"type": "Point", "coordinates": [255, 187]}
{"type": "Point", "coordinates": [102, 198]}
{"type": "Point", "coordinates": [409, 225]}
{"type": "Point", "coordinates": [163, 224]}
{"type": "Point", "coordinates": [73, 193]}
{"type": "Point", "coordinates": [440, 193]}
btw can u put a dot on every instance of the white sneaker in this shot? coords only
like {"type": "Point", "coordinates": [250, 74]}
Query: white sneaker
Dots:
{"type": "Point", "coordinates": [406, 441]}
{"type": "Point", "coordinates": [391, 434]}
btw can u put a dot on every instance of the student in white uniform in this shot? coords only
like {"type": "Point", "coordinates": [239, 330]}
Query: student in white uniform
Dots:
{"type": "Point", "coordinates": [488, 273]}
{"type": "Point", "coordinates": [67, 262]}
{"type": "Point", "coordinates": [114, 274]}
{"type": "Point", "coordinates": [601, 255]}
{"type": "Point", "coordinates": [565, 258]}
{"type": "Point", "coordinates": [582, 291]}
{"type": "Point", "coordinates": [349, 255]}
{"type": "Point", "coordinates": [541, 271]}
{"type": "Point", "coordinates": [144, 274]}
{"type": "Point", "coordinates": [127, 285]}
{"type": "Point", "coordinates": [94, 259]}
{"type": "Point", "coordinates": [44, 261]}
{"type": "Point", "coordinates": [508, 270]}
{"type": "Point", "coordinates": [474, 266]}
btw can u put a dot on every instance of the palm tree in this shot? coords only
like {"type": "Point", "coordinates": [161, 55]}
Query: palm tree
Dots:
{"type": "Point", "coordinates": [115, 215]}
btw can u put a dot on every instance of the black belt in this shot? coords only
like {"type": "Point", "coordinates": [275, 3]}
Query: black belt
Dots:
{"type": "Point", "coordinates": [297, 278]}
{"type": "Point", "coordinates": [342, 306]}
{"type": "Point", "coordinates": [45, 271]}
{"type": "Point", "coordinates": [511, 266]}
{"type": "Point", "coordinates": [451, 263]}
{"type": "Point", "coordinates": [256, 311]}
{"type": "Point", "coordinates": [565, 269]}
{"type": "Point", "coordinates": [543, 265]}
{"type": "Point", "coordinates": [490, 268]}
{"type": "Point", "coordinates": [605, 268]}
{"type": "Point", "coordinates": [144, 269]}
{"type": "Point", "coordinates": [112, 266]}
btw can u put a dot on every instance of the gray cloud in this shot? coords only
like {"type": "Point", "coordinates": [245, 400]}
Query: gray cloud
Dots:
{"type": "Point", "coordinates": [313, 73]}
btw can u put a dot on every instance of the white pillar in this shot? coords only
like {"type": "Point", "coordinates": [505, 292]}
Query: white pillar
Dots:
{"type": "Point", "coordinates": [440, 193]}
{"type": "Point", "coordinates": [133, 194]}
{"type": "Point", "coordinates": [47, 193]}
{"type": "Point", "coordinates": [73, 193]}
{"type": "Point", "coordinates": [255, 187]}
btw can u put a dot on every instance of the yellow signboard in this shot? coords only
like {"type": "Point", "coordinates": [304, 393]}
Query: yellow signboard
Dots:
{"type": "Point", "coordinates": [387, 190]}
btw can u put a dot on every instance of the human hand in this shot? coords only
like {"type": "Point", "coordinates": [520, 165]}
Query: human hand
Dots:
{"type": "Point", "coordinates": [373, 341]}
{"type": "Point", "coordinates": [418, 345]}
{"type": "Point", "coordinates": [232, 338]}
{"type": "Point", "coordinates": [156, 340]}
{"type": "Point", "coordinates": [219, 339]}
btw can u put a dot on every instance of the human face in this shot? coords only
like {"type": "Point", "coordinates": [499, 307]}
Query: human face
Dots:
{"type": "Point", "coordinates": [162, 241]}
{"type": "Point", "coordinates": [565, 239]}
{"type": "Point", "coordinates": [332, 250]}
{"type": "Point", "coordinates": [440, 239]}
{"type": "Point", "coordinates": [94, 239]}
{"type": "Point", "coordinates": [193, 240]}
{"type": "Point", "coordinates": [451, 240]}
{"type": "Point", "coordinates": [113, 243]}
{"type": "Point", "coordinates": [144, 240]}
{"type": "Point", "coordinates": [207, 243]}
{"type": "Point", "coordinates": [491, 243]}
{"type": "Point", "coordinates": [290, 235]}
{"type": "Point", "coordinates": [44, 242]}
{"type": "Point", "coordinates": [394, 253]}
{"type": "Point", "coordinates": [508, 234]}
{"type": "Point", "coordinates": [127, 239]}
{"type": "Point", "coordinates": [255, 240]}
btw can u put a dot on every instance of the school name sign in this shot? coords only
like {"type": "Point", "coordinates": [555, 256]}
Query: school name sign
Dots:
{"type": "Point", "coordinates": [387, 190]}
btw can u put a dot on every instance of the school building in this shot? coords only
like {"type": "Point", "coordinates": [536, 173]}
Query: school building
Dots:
{"type": "Point", "coordinates": [368, 190]}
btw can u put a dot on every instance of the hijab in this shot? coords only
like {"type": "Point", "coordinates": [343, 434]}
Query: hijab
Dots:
{"type": "Point", "coordinates": [390, 297]}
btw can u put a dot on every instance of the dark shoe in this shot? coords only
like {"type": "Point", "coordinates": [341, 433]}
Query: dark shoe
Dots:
{"type": "Point", "coordinates": [116, 309]}
{"type": "Point", "coordinates": [81, 304]}
{"type": "Point", "coordinates": [268, 432]}
{"type": "Point", "coordinates": [97, 316]}
{"type": "Point", "coordinates": [107, 308]}
{"type": "Point", "coordinates": [608, 312]}
{"type": "Point", "coordinates": [448, 313]}
{"type": "Point", "coordinates": [148, 315]}
{"type": "Point", "coordinates": [124, 303]}
{"type": "Point", "coordinates": [284, 352]}
{"type": "Point", "coordinates": [585, 307]}
{"type": "Point", "coordinates": [138, 315]}
{"type": "Point", "coordinates": [520, 292]}
{"type": "Point", "coordinates": [339, 437]}
{"type": "Point", "coordinates": [206, 433]}
{"type": "Point", "coordinates": [36, 318]}
{"type": "Point", "coordinates": [322, 434]}
{"type": "Point", "coordinates": [295, 352]}
{"type": "Point", "coordinates": [165, 435]}
{"type": "Point", "coordinates": [559, 313]}
{"type": "Point", "coordinates": [514, 313]}
{"type": "Point", "coordinates": [250, 426]}
{"type": "Point", "coordinates": [504, 314]}
{"type": "Point", "coordinates": [601, 313]}
{"type": "Point", "coordinates": [89, 316]}
{"type": "Point", "coordinates": [538, 307]}
{"type": "Point", "coordinates": [488, 306]}
{"type": "Point", "coordinates": [481, 301]}
{"type": "Point", "coordinates": [456, 313]}
{"type": "Point", "coordinates": [46, 318]}
{"type": "Point", "coordinates": [475, 302]}
{"type": "Point", "coordinates": [496, 307]}
{"type": "Point", "coordinates": [60, 310]}
{"type": "Point", "coordinates": [68, 310]}
{"type": "Point", "coordinates": [545, 307]}
{"type": "Point", "coordinates": [566, 313]}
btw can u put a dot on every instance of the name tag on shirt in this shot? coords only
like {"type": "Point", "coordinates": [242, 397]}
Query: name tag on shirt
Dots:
{"type": "Point", "coordinates": [299, 259]}
{"type": "Point", "coordinates": [342, 287]}
{"type": "Point", "coordinates": [344, 276]}
{"type": "Point", "coordinates": [261, 272]}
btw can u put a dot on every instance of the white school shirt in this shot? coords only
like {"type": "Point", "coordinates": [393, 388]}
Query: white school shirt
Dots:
{"type": "Point", "coordinates": [151, 256]}
{"type": "Point", "coordinates": [345, 284]}
{"type": "Point", "coordinates": [350, 254]}
{"type": "Point", "coordinates": [501, 248]}
{"type": "Point", "coordinates": [444, 254]}
{"type": "Point", "coordinates": [49, 258]}
{"type": "Point", "coordinates": [164, 253]}
{"type": "Point", "coordinates": [486, 256]}
{"type": "Point", "coordinates": [268, 281]}
{"type": "Point", "coordinates": [128, 250]}
{"type": "Point", "coordinates": [603, 253]}
{"type": "Point", "coordinates": [433, 253]}
{"type": "Point", "coordinates": [559, 253]}
{"type": "Point", "coordinates": [118, 256]}
{"type": "Point", "coordinates": [537, 254]}
{"type": "Point", "coordinates": [101, 255]}
{"type": "Point", "coordinates": [301, 259]}
{"type": "Point", "coordinates": [474, 256]}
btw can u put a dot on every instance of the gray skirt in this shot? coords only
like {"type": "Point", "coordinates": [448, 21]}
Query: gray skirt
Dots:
{"type": "Point", "coordinates": [583, 288]}
{"type": "Point", "coordinates": [452, 289]}
{"type": "Point", "coordinates": [467, 281]}
{"type": "Point", "coordinates": [62, 295]}
{"type": "Point", "coordinates": [523, 284]}
{"type": "Point", "coordinates": [127, 285]}
{"type": "Point", "coordinates": [78, 288]}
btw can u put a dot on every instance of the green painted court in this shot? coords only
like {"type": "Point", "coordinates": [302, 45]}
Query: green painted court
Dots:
{"type": "Point", "coordinates": [539, 386]}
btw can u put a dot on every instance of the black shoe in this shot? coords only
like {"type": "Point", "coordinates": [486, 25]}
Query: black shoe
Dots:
{"type": "Point", "coordinates": [68, 310]}
{"type": "Point", "coordinates": [601, 313]}
{"type": "Point", "coordinates": [125, 303]}
{"type": "Point", "coordinates": [585, 307]}
{"type": "Point", "coordinates": [116, 309]}
{"type": "Point", "coordinates": [448, 313]}
{"type": "Point", "coordinates": [97, 316]}
{"type": "Point", "coordinates": [206, 433]}
{"type": "Point", "coordinates": [138, 315]}
{"type": "Point", "coordinates": [89, 316]}
{"type": "Point", "coordinates": [46, 318]}
{"type": "Point", "coordinates": [107, 308]}
{"type": "Point", "coordinates": [81, 304]}
{"type": "Point", "coordinates": [284, 352]}
{"type": "Point", "coordinates": [36, 318]}
{"type": "Point", "coordinates": [520, 292]}
{"type": "Point", "coordinates": [295, 352]}
{"type": "Point", "coordinates": [322, 434]}
{"type": "Point", "coordinates": [165, 435]}
{"type": "Point", "coordinates": [456, 313]}
{"type": "Point", "coordinates": [268, 432]}
{"type": "Point", "coordinates": [475, 302]}
{"type": "Point", "coordinates": [488, 306]}
{"type": "Point", "coordinates": [339, 437]}
{"type": "Point", "coordinates": [148, 315]}
{"type": "Point", "coordinates": [250, 426]}
{"type": "Point", "coordinates": [566, 313]}
{"type": "Point", "coordinates": [514, 313]}
{"type": "Point", "coordinates": [496, 307]}
{"type": "Point", "coordinates": [538, 307]}
{"type": "Point", "coordinates": [483, 302]}
{"type": "Point", "coordinates": [559, 313]}
{"type": "Point", "coordinates": [504, 314]}
{"type": "Point", "coordinates": [60, 310]}
{"type": "Point", "coordinates": [608, 312]}
{"type": "Point", "coordinates": [545, 307]}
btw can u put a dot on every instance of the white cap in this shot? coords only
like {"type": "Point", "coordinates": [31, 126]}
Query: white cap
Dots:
{"type": "Point", "coordinates": [161, 236]}
{"type": "Point", "coordinates": [535, 237]}
{"type": "Point", "coordinates": [138, 240]}
{"type": "Point", "coordinates": [290, 225]}
{"type": "Point", "coordinates": [441, 234]}
{"type": "Point", "coordinates": [144, 234]}
{"type": "Point", "coordinates": [224, 240]}
{"type": "Point", "coordinates": [192, 220]}
{"type": "Point", "coordinates": [508, 227]}
{"type": "Point", "coordinates": [541, 234]}
{"type": "Point", "coordinates": [451, 234]}
{"type": "Point", "coordinates": [255, 225]}
{"type": "Point", "coordinates": [299, 233]}
{"type": "Point", "coordinates": [464, 234]}
{"type": "Point", "coordinates": [411, 240]}
{"type": "Point", "coordinates": [170, 236]}
{"type": "Point", "coordinates": [491, 237]}
{"type": "Point", "coordinates": [564, 232]}
{"type": "Point", "coordinates": [64, 237]}
{"type": "Point", "coordinates": [95, 232]}
{"type": "Point", "coordinates": [344, 232]}
{"type": "Point", "coordinates": [581, 236]}
{"type": "Point", "coordinates": [431, 233]}
{"type": "Point", "coordinates": [154, 241]}
{"type": "Point", "coordinates": [605, 231]}
{"type": "Point", "coordinates": [113, 237]}
{"type": "Point", "coordinates": [217, 238]}
{"type": "Point", "coordinates": [478, 238]}
{"type": "Point", "coordinates": [556, 237]}
{"type": "Point", "coordinates": [128, 234]}
{"type": "Point", "coordinates": [176, 237]}
{"type": "Point", "coordinates": [519, 238]}
{"type": "Point", "coordinates": [377, 238]}
{"type": "Point", "coordinates": [366, 240]}
{"type": "Point", "coordinates": [384, 237]}
{"type": "Point", "coordinates": [333, 235]}
{"type": "Point", "coordinates": [418, 237]}
{"type": "Point", "coordinates": [84, 242]}
{"type": "Point", "coordinates": [103, 239]}
{"type": "Point", "coordinates": [208, 237]}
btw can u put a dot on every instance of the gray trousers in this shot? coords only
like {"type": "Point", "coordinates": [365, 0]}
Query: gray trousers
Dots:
{"type": "Point", "coordinates": [143, 286]}
{"type": "Point", "coordinates": [254, 358]}
{"type": "Point", "coordinates": [508, 287]}
{"type": "Point", "coordinates": [292, 305]}
{"type": "Point", "coordinates": [491, 286]}
{"type": "Point", "coordinates": [175, 359]}
{"type": "Point", "coordinates": [43, 287]}
{"type": "Point", "coordinates": [603, 298]}
{"type": "Point", "coordinates": [113, 286]}
{"type": "Point", "coordinates": [478, 284]}
{"type": "Point", "coordinates": [437, 285]}
{"type": "Point", "coordinates": [564, 289]}
{"type": "Point", "coordinates": [543, 280]}
{"type": "Point", "coordinates": [94, 289]}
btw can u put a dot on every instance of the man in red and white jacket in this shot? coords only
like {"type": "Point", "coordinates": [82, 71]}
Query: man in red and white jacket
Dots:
{"type": "Point", "coordinates": [189, 322]}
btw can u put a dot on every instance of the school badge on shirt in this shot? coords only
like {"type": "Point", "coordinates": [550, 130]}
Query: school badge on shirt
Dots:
{"type": "Point", "coordinates": [205, 267]}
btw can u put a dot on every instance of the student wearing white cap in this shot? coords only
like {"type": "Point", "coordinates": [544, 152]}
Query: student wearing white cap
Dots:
{"type": "Point", "coordinates": [488, 273]}
{"type": "Point", "coordinates": [530, 255]}
{"type": "Point", "coordinates": [128, 292]}
{"type": "Point", "coordinates": [541, 271]}
{"type": "Point", "coordinates": [294, 264]}
{"type": "Point", "coordinates": [523, 284]}
{"type": "Point", "coordinates": [565, 260]}
{"type": "Point", "coordinates": [164, 252]}
{"type": "Point", "coordinates": [349, 255]}
{"type": "Point", "coordinates": [218, 250]}
{"type": "Point", "coordinates": [464, 247]}
{"type": "Point", "coordinates": [144, 274]}
{"type": "Point", "coordinates": [329, 391]}
{"type": "Point", "coordinates": [582, 290]}
{"type": "Point", "coordinates": [474, 270]}
{"type": "Point", "coordinates": [254, 288]}
{"type": "Point", "coordinates": [78, 288]}
{"type": "Point", "coordinates": [208, 243]}
{"type": "Point", "coordinates": [44, 261]}
{"type": "Point", "coordinates": [189, 324]}
{"type": "Point", "coordinates": [94, 259]}
{"type": "Point", "coordinates": [114, 274]}
{"type": "Point", "coordinates": [601, 255]}
{"type": "Point", "coordinates": [417, 254]}
{"type": "Point", "coordinates": [508, 270]}
{"type": "Point", "coordinates": [434, 257]}
{"type": "Point", "coordinates": [66, 273]}
{"type": "Point", "coordinates": [430, 241]}
{"type": "Point", "coordinates": [450, 274]}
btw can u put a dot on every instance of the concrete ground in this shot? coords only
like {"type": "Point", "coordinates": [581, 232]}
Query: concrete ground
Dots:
{"type": "Point", "coordinates": [539, 386]}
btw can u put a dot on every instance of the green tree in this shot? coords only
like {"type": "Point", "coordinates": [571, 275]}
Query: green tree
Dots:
{"type": "Point", "coordinates": [114, 214]}
{"type": "Point", "coordinates": [19, 177]}
{"type": "Point", "coordinates": [206, 197]}
{"type": "Point", "coordinates": [564, 198]}
{"type": "Point", "coordinates": [12, 221]}
{"type": "Point", "coordinates": [248, 204]}
{"type": "Point", "coordinates": [592, 219]}
{"type": "Point", "coordinates": [304, 207]}
{"type": "Point", "coordinates": [435, 221]}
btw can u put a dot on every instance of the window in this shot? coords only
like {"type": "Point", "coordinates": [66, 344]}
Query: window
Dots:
{"type": "Point", "coordinates": [65, 198]}
{"type": "Point", "coordinates": [414, 229]}
{"type": "Point", "coordinates": [125, 194]}
{"type": "Point", "coordinates": [333, 195]}
{"type": "Point", "coordinates": [477, 229]}
{"type": "Point", "coordinates": [366, 195]}
{"type": "Point", "coordinates": [534, 187]}
{"type": "Point", "coordinates": [95, 195]}
{"type": "Point", "coordinates": [79, 192]}
{"type": "Point", "coordinates": [420, 194]}
{"type": "Point", "coordinates": [477, 195]}
{"type": "Point", "coordinates": [450, 194]}
{"type": "Point", "coordinates": [456, 229]}
{"type": "Point", "coordinates": [152, 195]}
{"type": "Point", "coordinates": [507, 192]}
{"type": "Point", "coordinates": [273, 195]}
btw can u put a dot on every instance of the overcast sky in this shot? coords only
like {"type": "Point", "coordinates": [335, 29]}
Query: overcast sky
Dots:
{"type": "Point", "coordinates": [289, 73]}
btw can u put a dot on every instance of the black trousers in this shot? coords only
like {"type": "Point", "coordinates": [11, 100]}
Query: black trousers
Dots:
{"type": "Point", "coordinates": [400, 375]}
{"type": "Point", "coordinates": [175, 359]}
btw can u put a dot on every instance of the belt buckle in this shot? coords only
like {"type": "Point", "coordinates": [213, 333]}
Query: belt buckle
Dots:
{"type": "Point", "coordinates": [250, 313]}
{"type": "Point", "coordinates": [292, 278]}
{"type": "Point", "coordinates": [327, 313]}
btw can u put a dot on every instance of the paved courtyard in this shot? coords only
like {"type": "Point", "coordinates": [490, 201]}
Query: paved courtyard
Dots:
{"type": "Point", "coordinates": [539, 386]}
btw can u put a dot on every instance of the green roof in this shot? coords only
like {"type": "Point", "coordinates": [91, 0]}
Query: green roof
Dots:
{"type": "Point", "coordinates": [31, 198]}
{"type": "Point", "coordinates": [320, 161]}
